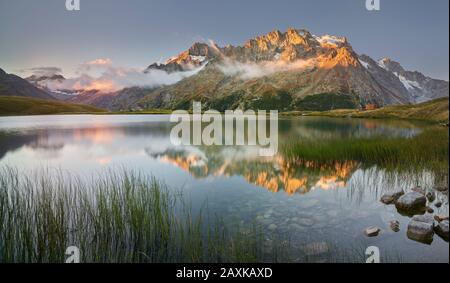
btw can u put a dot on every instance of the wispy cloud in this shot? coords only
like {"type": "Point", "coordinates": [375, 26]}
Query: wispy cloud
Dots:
{"type": "Point", "coordinates": [252, 70]}
{"type": "Point", "coordinates": [109, 78]}
{"type": "Point", "coordinates": [42, 71]}
{"type": "Point", "coordinates": [99, 62]}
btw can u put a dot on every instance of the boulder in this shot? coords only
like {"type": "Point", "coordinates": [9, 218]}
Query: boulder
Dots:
{"type": "Point", "coordinates": [372, 231]}
{"type": "Point", "coordinates": [419, 190]}
{"type": "Point", "coordinates": [391, 197]}
{"type": "Point", "coordinates": [428, 218]}
{"type": "Point", "coordinates": [411, 202]}
{"type": "Point", "coordinates": [421, 229]}
{"type": "Point", "coordinates": [442, 230]}
{"type": "Point", "coordinates": [438, 204]}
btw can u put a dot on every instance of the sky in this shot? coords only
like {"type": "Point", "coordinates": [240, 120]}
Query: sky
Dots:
{"type": "Point", "coordinates": [136, 33]}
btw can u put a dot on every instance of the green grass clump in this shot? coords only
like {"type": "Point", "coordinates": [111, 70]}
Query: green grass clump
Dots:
{"type": "Point", "coordinates": [15, 105]}
{"type": "Point", "coordinates": [118, 217]}
{"type": "Point", "coordinates": [428, 149]}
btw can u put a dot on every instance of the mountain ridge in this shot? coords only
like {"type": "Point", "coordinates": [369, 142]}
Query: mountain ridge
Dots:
{"type": "Point", "coordinates": [335, 68]}
{"type": "Point", "coordinates": [277, 69]}
{"type": "Point", "coordinates": [12, 85]}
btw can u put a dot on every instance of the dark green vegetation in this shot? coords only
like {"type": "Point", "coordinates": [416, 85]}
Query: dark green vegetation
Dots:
{"type": "Point", "coordinates": [435, 110]}
{"type": "Point", "coordinates": [325, 101]}
{"type": "Point", "coordinates": [14, 105]}
{"type": "Point", "coordinates": [428, 149]}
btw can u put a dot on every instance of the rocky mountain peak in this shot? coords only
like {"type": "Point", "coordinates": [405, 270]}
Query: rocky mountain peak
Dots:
{"type": "Point", "coordinates": [291, 45]}
{"type": "Point", "coordinates": [389, 65]}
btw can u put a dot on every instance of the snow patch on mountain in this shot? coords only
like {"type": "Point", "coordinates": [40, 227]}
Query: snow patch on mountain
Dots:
{"type": "Point", "coordinates": [330, 39]}
{"type": "Point", "coordinates": [409, 85]}
{"type": "Point", "coordinates": [365, 64]}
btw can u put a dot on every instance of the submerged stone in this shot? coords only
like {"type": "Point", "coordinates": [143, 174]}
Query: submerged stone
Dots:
{"type": "Point", "coordinates": [317, 248]}
{"type": "Point", "coordinates": [395, 225]}
{"type": "Point", "coordinates": [273, 227]}
{"type": "Point", "coordinates": [372, 231]}
{"type": "Point", "coordinates": [305, 222]}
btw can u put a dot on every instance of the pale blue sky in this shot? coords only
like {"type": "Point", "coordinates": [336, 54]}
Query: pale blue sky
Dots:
{"type": "Point", "coordinates": [135, 33]}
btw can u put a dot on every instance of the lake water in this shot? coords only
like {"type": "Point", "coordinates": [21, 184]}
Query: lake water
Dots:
{"type": "Point", "coordinates": [311, 203]}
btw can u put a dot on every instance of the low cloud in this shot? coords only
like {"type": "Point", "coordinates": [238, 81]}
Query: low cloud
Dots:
{"type": "Point", "coordinates": [99, 62]}
{"type": "Point", "coordinates": [109, 78]}
{"type": "Point", "coordinates": [42, 71]}
{"type": "Point", "coordinates": [252, 70]}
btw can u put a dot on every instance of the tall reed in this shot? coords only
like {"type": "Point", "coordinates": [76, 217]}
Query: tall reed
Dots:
{"type": "Point", "coordinates": [116, 217]}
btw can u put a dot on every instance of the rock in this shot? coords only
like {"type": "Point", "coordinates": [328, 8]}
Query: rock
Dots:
{"type": "Point", "coordinates": [438, 204]}
{"type": "Point", "coordinates": [273, 227]}
{"type": "Point", "coordinates": [421, 229]}
{"type": "Point", "coordinates": [296, 227]}
{"type": "Point", "coordinates": [317, 248]}
{"type": "Point", "coordinates": [419, 190]}
{"type": "Point", "coordinates": [431, 196]}
{"type": "Point", "coordinates": [430, 210]}
{"type": "Point", "coordinates": [424, 218]}
{"type": "Point", "coordinates": [440, 218]}
{"type": "Point", "coordinates": [395, 225]}
{"type": "Point", "coordinates": [305, 222]}
{"type": "Point", "coordinates": [372, 231]}
{"type": "Point", "coordinates": [411, 202]}
{"type": "Point", "coordinates": [391, 197]}
{"type": "Point", "coordinates": [442, 230]}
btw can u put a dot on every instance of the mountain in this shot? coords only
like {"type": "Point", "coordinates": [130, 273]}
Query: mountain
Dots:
{"type": "Point", "coordinates": [44, 82]}
{"type": "Point", "coordinates": [124, 99]}
{"type": "Point", "coordinates": [12, 85]}
{"type": "Point", "coordinates": [420, 87]}
{"type": "Point", "coordinates": [192, 58]}
{"type": "Point", "coordinates": [281, 70]}
{"type": "Point", "coordinates": [291, 70]}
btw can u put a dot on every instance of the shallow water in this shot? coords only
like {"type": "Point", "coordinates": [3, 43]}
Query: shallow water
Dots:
{"type": "Point", "coordinates": [308, 202]}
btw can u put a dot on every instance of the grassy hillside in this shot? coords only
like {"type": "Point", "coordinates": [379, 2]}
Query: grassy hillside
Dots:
{"type": "Point", "coordinates": [436, 110]}
{"type": "Point", "coordinates": [14, 105]}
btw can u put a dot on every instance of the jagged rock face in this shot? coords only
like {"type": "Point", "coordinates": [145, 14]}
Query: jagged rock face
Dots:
{"type": "Point", "coordinates": [295, 63]}
{"type": "Point", "coordinates": [420, 87]}
{"type": "Point", "coordinates": [289, 46]}
{"type": "Point", "coordinates": [192, 58]}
